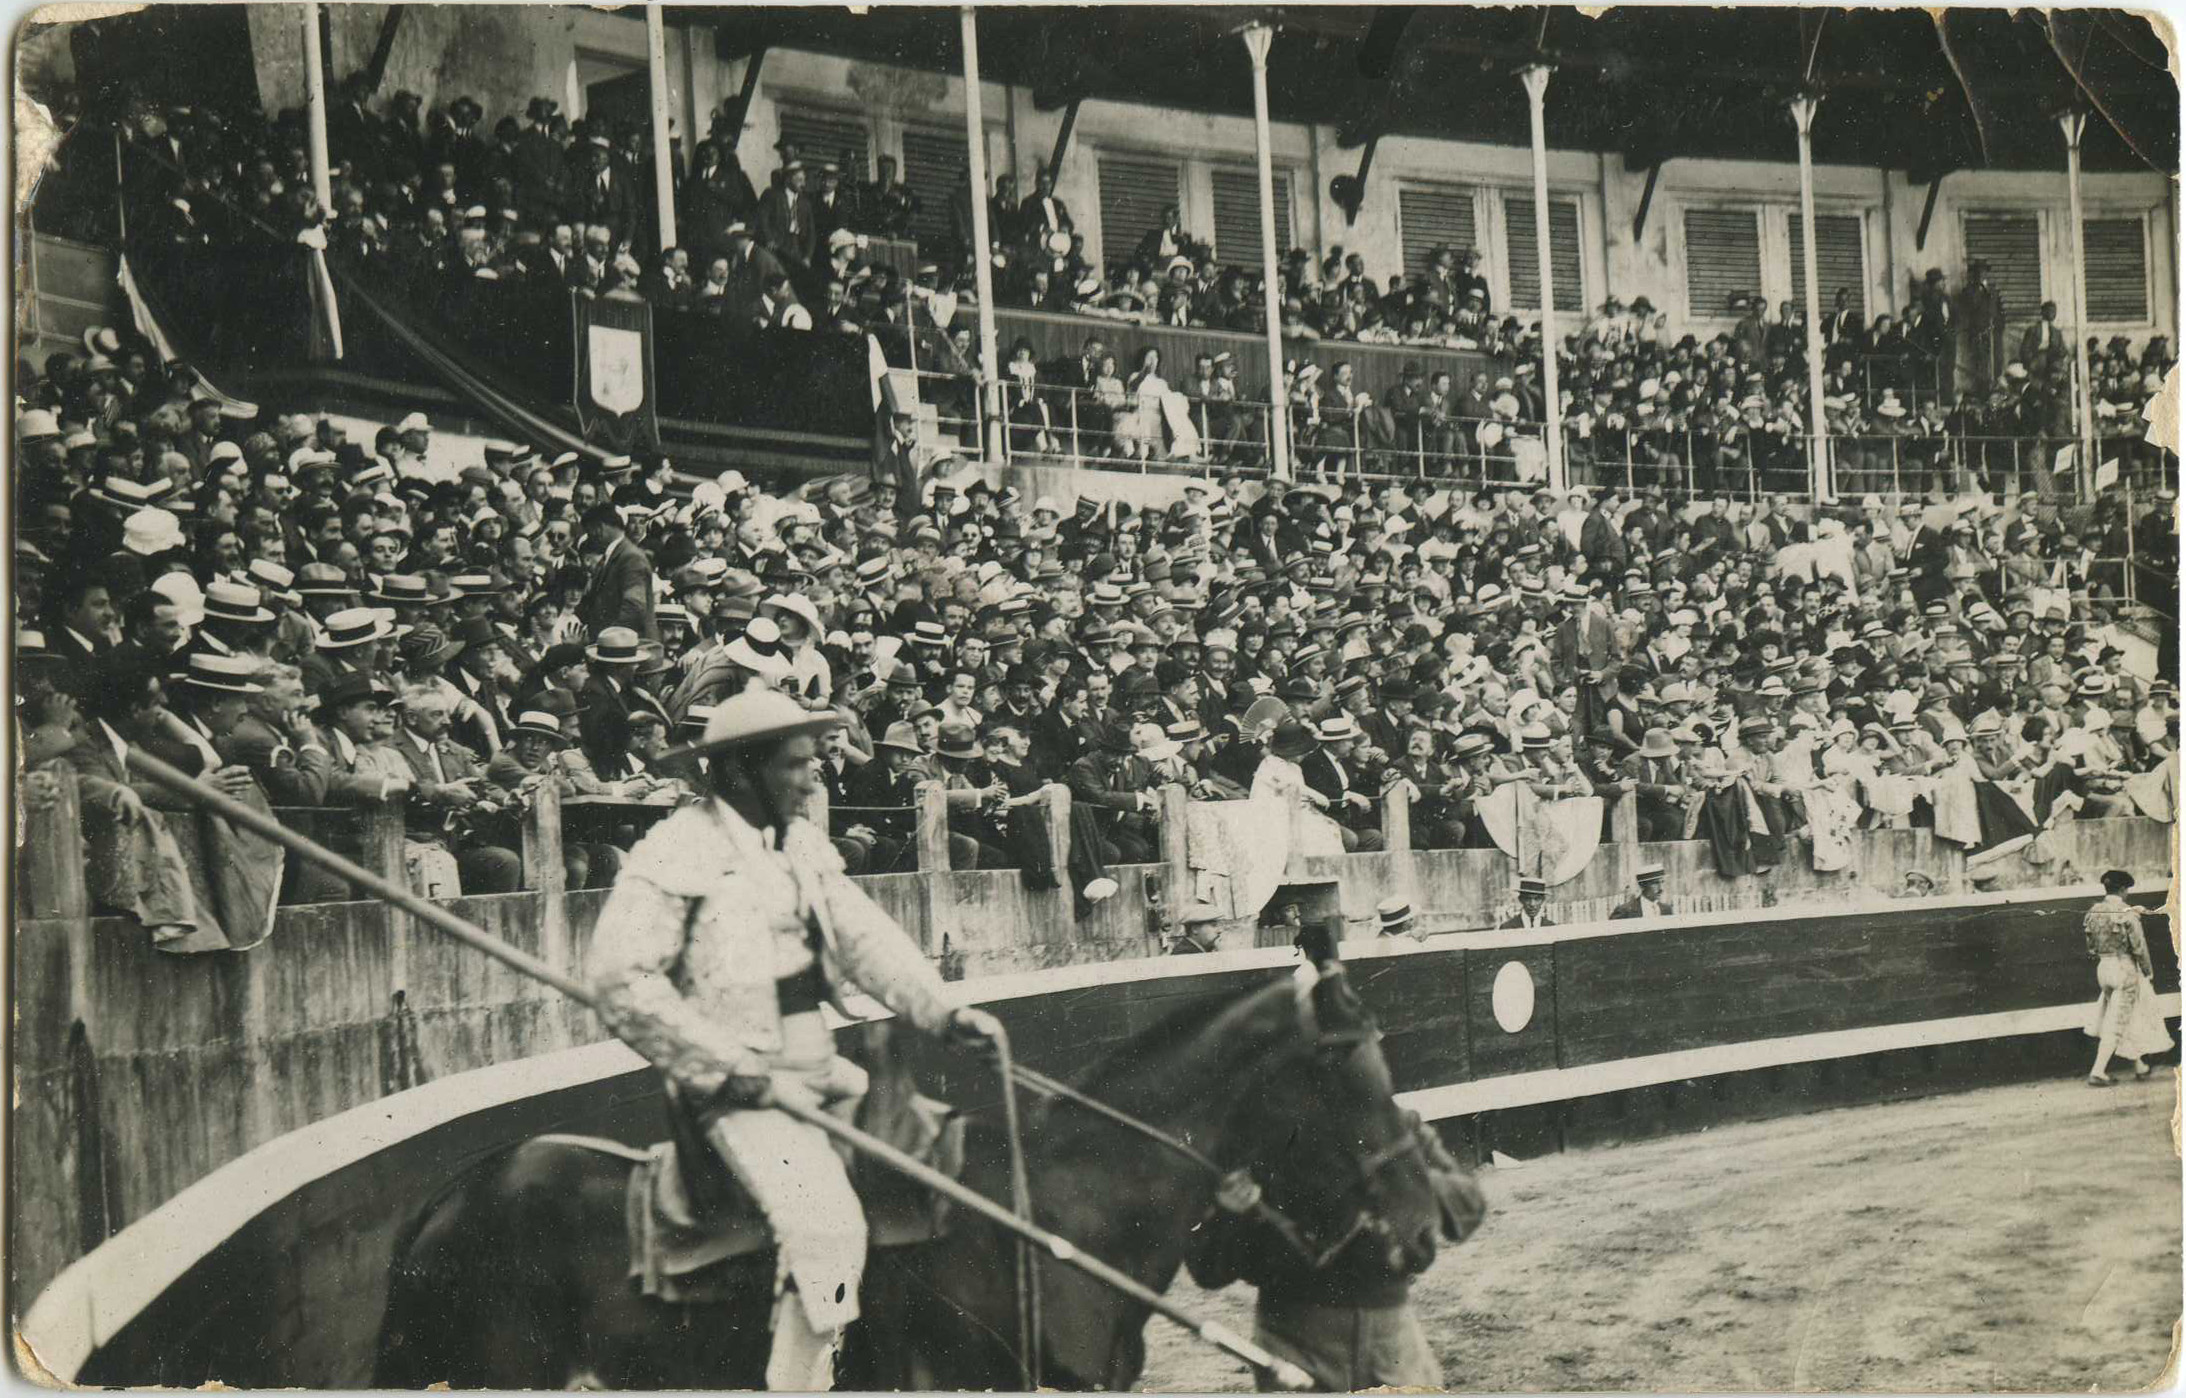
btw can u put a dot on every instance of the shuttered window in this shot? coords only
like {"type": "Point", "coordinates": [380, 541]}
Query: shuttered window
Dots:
{"type": "Point", "coordinates": [1237, 214]}
{"type": "Point", "coordinates": [1522, 253]}
{"type": "Point", "coordinates": [1135, 189]}
{"type": "Point", "coordinates": [2012, 246]}
{"type": "Point", "coordinates": [934, 162]}
{"type": "Point", "coordinates": [816, 134]}
{"type": "Point", "coordinates": [1431, 216]}
{"type": "Point", "coordinates": [2117, 270]}
{"type": "Point", "coordinates": [1722, 260]}
{"type": "Point", "coordinates": [1840, 260]}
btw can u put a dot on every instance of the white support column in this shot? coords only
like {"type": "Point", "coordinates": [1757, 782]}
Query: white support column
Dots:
{"type": "Point", "coordinates": [975, 138]}
{"type": "Point", "coordinates": [322, 185]}
{"type": "Point", "coordinates": [1803, 107]}
{"type": "Point", "coordinates": [664, 179]}
{"type": "Point", "coordinates": [1535, 77]}
{"type": "Point", "coordinates": [1257, 38]}
{"type": "Point", "coordinates": [2074, 124]}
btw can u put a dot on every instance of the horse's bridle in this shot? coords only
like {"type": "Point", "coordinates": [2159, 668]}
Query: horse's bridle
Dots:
{"type": "Point", "coordinates": [1236, 1190]}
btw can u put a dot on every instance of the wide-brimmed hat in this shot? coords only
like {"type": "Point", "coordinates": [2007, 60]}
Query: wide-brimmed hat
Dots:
{"type": "Point", "coordinates": [797, 605]}
{"type": "Point", "coordinates": [959, 742]}
{"type": "Point", "coordinates": [1657, 743]}
{"type": "Point", "coordinates": [759, 649]}
{"type": "Point", "coordinates": [754, 716]}
{"type": "Point", "coordinates": [226, 674]}
{"type": "Point", "coordinates": [152, 531]}
{"type": "Point", "coordinates": [902, 737]}
{"type": "Point", "coordinates": [616, 645]}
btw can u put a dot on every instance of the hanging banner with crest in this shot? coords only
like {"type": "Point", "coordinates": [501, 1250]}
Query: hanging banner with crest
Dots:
{"type": "Point", "coordinates": [613, 390]}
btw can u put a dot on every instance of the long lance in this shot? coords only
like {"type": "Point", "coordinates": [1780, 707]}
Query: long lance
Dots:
{"type": "Point", "coordinates": [1285, 1374]}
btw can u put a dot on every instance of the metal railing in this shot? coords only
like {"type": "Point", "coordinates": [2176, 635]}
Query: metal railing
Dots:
{"type": "Point", "coordinates": [1086, 428]}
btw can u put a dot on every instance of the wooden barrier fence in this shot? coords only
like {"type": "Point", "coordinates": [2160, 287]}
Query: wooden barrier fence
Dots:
{"type": "Point", "coordinates": [138, 1072]}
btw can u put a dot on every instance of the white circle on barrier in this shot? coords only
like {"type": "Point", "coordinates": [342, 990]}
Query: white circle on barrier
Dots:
{"type": "Point", "coordinates": [1512, 997]}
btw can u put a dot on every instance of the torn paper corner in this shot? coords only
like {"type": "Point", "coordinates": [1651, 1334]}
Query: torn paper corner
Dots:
{"type": "Point", "coordinates": [31, 1367]}
{"type": "Point", "coordinates": [2159, 23]}
{"type": "Point", "coordinates": [2161, 414]}
{"type": "Point", "coordinates": [37, 137]}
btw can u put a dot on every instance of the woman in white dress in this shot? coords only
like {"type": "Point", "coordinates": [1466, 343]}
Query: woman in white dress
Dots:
{"type": "Point", "coordinates": [1139, 431]}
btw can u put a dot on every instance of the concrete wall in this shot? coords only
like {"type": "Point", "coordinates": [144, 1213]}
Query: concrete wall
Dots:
{"type": "Point", "coordinates": [500, 55]}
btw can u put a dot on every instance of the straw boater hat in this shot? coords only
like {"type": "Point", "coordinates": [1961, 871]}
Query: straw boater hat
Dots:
{"type": "Point", "coordinates": [756, 716]}
{"type": "Point", "coordinates": [538, 725]}
{"type": "Point", "coordinates": [354, 626]}
{"type": "Point", "coordinates": [228, 601]}
{"type": "Point", "coordinates": [1396, 917]}
{"type": "Point", "coordinates": [226, 674]}
{"type": "Point", "coordinates": [617, 645]}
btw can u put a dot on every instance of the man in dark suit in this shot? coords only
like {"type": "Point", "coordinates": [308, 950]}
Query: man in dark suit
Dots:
{"type": "Point", "coordinates": [83, 615]}
{"type": "Point", "coordinates": [603, 195]}
{"type": "Point", "coordinates": [1042, 213]}
{"type": "Point", "coordinates": [1650, 777]}
{"type": "Point", "coordinates": [1648, 901]}
{"type": "Point", "coordinates": [609, 696]}
{"type": "Point", "coordinates": [446, 793]}
{"type": "Point", "coordinates": [1107, 777]}
{"type": "Point", "coordinates": [1073, 379]}
{"type": "Point", "coordinates": [352, 132]}
{"type": "Point", "coordinates": [785, 220]}
{"type": "Point", "coordinates": [536, 162]}
{"type": "Point", "coordinates": [2044, 346]}
{"type": "Point", "coordinates": [1532, 907]}
{"type": "Point", "coordinates": [1328, 770]}
{"type": "Point", "coordinates": [621, 590]}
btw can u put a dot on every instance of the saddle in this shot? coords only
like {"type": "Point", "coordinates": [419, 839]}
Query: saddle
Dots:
{"type": "Point", "coordinates": [689, 1219]}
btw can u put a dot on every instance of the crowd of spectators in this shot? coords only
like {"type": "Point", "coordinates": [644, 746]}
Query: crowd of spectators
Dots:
{"type": "Point", "coordinates": [322, 620]}
{"type": "Point", "coordinates": [1941, 395]}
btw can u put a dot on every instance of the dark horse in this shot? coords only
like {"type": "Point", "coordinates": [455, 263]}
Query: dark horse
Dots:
{"type": "Point", "coordinates": [516, 1276]}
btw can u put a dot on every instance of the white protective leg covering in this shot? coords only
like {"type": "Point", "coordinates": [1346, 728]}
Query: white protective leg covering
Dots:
{"type": "Point", "coordinates": [803, 1358]}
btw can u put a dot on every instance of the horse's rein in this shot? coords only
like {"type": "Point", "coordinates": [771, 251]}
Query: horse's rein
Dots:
{"type": "Point", "coordinates": [1231, 1185]}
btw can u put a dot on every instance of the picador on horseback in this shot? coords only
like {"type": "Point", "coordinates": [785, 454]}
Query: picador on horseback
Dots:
{"type": "Point", "coordinates": [731, 923]}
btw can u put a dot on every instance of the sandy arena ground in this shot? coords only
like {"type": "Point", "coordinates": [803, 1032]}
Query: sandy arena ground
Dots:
{"type": "Point", "coordinates": [2016, 1238]}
